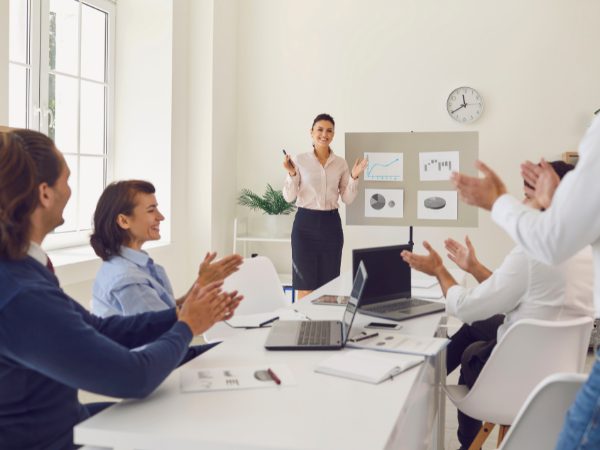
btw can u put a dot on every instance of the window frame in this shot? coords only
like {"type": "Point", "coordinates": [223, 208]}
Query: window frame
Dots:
{"type": "Point", "coordinates": [38, 117]}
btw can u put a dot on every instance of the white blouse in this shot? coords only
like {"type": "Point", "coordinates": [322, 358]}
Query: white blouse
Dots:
{"type": "Point", "coordinates": [319, 187]}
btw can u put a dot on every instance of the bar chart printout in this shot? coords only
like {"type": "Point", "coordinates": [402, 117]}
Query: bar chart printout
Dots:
{"type": "Point", "coordinates": [437, 166]}
{"type": "Point", "coordinates": [384, 167]}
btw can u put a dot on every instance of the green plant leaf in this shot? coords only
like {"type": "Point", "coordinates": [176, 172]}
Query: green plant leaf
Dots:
{"type": "Point", "coordinates": [272, 202]}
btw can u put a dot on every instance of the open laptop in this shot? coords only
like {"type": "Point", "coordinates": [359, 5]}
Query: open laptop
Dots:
{"type": "Point", "coordinates": [388, 294]}
{"type": "Point", "coordinates": [318, 334]}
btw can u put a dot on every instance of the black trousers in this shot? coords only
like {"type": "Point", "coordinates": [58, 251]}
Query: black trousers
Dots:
{"type": "Point", "coordinates": [317, 242]}
{"type": "Point", "coordinates": [470, 348]}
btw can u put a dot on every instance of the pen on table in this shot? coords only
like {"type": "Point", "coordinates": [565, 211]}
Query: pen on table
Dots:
{"type": "Point", "coordinates": [366, 337]}
{"type": "Point", "coordinates": [275, 378]}
{"type": "Point", "coordinates": [293, 166]}
{"type": "Point", "coordinates": [303, 315]}
{"type": "Point", "coordinates": [269, 321]}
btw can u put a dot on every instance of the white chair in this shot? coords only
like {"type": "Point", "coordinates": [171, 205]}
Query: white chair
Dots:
{"type": "Point", "coordinates": [541, 418]}
{"type": "Point", "coordinates": [528, 352]}
{"type": "Point", "coordinates": [258, 282]}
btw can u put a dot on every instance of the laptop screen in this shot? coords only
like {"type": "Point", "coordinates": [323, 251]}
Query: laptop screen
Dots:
{"type": "Point", "coordinates": [354, 301]}
{"type": "Point", "coordinates": [389, 275]}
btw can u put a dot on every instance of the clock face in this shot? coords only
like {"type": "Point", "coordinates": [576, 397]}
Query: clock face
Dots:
{"type": "Point", "coordinates": [465, 105]}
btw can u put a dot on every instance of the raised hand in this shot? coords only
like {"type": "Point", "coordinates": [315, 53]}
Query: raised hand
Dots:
{"type": "Point", "coordinates": [461, 256]}
{"type": "Point", "coordinates": [287, 164]}
{"type": "Point", "coordinates": [544, 180]}
{"type": "Point", "coordinates": [233, 304]}
{"type": "Point", "coordinates": [429, 264]}
{"type": "Point", "coordinates": [210, 272]}
{"type": "Point", "coordinates": [204, 307]}
{"type": "Point", "coordinates": [359, 167]}
{"type": "Point", "coordinates": [482, 192]}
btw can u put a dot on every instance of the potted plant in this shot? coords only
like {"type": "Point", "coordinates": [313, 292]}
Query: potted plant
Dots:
{"type": "Point", "coordinates": [271, 203]}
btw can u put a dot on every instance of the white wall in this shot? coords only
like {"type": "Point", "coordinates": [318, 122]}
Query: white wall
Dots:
{"type": "Point", "coordinates": [389, 66]}
{"type": "Point", "coordinates": [212, 125]}
{"type": "Point", "coordinates": [4, 63]}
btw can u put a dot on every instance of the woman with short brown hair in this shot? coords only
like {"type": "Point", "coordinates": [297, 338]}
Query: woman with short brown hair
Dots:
{"type": "Point", "coordinates": [129, 282]}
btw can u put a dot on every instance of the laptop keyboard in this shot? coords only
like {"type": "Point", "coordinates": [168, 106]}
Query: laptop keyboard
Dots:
{"type": "Point", "coordinates": [405, 304]}
{"type": "Point", "coordinates": [315, 333]}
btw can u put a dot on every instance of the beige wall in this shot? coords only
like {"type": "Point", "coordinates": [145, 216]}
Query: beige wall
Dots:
{"type": "Point", "coordinates": [387, 66]}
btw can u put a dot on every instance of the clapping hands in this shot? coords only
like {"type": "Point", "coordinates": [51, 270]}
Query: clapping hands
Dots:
{"type": "Point", "coordinates": [543, 179]}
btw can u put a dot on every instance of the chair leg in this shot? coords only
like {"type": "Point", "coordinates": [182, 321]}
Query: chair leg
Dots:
{"type": "Point", "coordinates": [502, 433]}
{"type": "Point", "coordinates": [481, 437]}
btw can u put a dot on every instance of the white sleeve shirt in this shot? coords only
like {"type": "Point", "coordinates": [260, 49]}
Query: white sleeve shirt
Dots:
{"type": "Point", "coordinates": [524, 288]}
{"type": "Point", "coordinates": [573, 220]}
{"type": "Point", "coordinates": [319, 187]}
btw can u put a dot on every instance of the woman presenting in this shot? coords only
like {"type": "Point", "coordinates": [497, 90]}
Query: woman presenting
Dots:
{"type": "Point", "coordinates": [318, 178]}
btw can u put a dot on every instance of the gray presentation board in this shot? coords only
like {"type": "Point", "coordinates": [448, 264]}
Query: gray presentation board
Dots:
{"type": "Point", "coordinates": [410, 145]}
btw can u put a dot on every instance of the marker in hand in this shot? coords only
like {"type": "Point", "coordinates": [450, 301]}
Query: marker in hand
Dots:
{"type": "Point", "coordinates": [293, 167]}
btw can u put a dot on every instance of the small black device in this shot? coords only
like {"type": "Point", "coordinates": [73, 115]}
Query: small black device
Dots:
{"type": "Point", "coordinates": [384, 326]}
{"type": "Point", "coordinates": [290, 160]}
{"type": "Point", "coordinates": [388, 294]}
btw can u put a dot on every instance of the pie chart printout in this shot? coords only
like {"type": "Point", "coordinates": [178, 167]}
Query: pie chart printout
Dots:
{"type": "Point", "coordinates": [435, 203]}
{"type": "Point", "coordinates": [384, 203]}
{"type": "Point", "coordinates": [377, 202]}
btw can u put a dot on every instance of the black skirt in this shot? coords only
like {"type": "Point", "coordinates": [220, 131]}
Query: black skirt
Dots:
{"type": "Point", "coordinates": [317, 242]}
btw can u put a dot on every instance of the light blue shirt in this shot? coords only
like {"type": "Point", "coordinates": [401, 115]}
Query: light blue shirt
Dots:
{"type": "Point", "coordinates": [131, 284]}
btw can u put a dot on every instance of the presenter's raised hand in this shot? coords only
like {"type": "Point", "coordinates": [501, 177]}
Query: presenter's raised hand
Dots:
{"type": "Point", "coordinates": [359, 167]}
{"type": "Point", "coordinates": [481, 192]}
{"type": "Point", "coordinates": [210, 272]}
{"type": "Point", "coordinates": [287, 164]}
{"type": "Point", "coordinates": [204, 307]}
{"type": "Point", "coordinates": [463, 257]}
{"type": "Point", "coordinates": [430, 264]}
{"type": "Point", "coordinates": [544, 180]}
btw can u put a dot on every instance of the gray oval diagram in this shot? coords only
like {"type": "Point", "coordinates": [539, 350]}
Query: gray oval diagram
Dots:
{"type": "Point", "coordinates": [391, 203]}
{"type": "Point", "coordinates": [377, 201]}
{"type": "Point", "coordinates": [434, 203]}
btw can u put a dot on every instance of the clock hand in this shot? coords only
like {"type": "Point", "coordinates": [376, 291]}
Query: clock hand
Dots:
{"type": "Point", "coordinates": [462, 106]}
{"type": "Point", "coordinates": [464, 101]}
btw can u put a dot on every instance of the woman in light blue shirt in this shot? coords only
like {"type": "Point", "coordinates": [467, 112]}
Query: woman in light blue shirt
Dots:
{"type": "Point", "coordinates": [129, 282]}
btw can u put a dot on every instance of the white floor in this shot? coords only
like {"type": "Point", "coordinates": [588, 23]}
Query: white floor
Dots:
{"type": "Point", "coordinates": [451, 442]}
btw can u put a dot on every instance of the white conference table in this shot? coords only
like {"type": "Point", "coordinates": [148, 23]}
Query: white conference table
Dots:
{"type": "Point", "coordinates": [321, 412]}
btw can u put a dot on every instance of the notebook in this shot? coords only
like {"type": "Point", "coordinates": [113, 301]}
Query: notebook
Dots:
{"type": "Point", "coordinates": [368, 365]}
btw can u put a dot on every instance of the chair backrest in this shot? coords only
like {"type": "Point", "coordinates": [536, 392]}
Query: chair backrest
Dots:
{"type": "Point", "coordinates": [542, 416]}
{"type": "Point", "coordinates": [528, 352]}
{"type": "Point", "coordinates": [258, 282]}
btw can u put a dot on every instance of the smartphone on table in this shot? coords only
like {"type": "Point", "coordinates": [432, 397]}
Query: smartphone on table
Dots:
{"type": "Point", "coordinates": [340, 300]}
{"type": "Point", "coordinates": [384, 326]}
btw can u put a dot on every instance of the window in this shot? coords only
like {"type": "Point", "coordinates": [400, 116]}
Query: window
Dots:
{"type": "Point", "coordinates": [61, 84]}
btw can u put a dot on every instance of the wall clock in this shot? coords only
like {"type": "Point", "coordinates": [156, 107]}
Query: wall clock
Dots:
{"type": "Point", "coordinates": [464, 105]}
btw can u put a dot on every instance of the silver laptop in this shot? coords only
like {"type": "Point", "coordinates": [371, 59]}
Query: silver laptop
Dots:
{"type": "Point", "coordinates": [389, 292]}
{"type": "Point", "coordinates": [318, 334]}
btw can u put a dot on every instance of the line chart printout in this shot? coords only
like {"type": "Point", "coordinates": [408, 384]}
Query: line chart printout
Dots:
{"type": "Point", "coordinates": [437, 166]}
{"type": "Point", "coordinates": [384, 167]}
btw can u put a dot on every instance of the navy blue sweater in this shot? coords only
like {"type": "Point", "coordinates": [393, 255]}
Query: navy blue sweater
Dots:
{"type": "Point", "coordinates": [50, 347]}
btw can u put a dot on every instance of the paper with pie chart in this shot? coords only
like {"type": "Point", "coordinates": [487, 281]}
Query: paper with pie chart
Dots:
{"type": "Point", "coordinates": [384, 203]}
{"type": "Point", "coordinates": [437, 166]}
{"type": "Point", "coordinates": [384, 167]}
{"type": "Point", "coordinates": [437, 205]}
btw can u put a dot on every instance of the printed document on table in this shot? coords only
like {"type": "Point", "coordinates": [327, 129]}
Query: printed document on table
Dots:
{"type": "Point", "coordinates": [403, 343]}
{"type": "Point", "coordinates": [235, 378]}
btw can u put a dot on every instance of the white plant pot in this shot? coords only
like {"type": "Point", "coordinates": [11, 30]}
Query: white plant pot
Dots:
{"type": "Point", "coordinates": [274, 225]}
